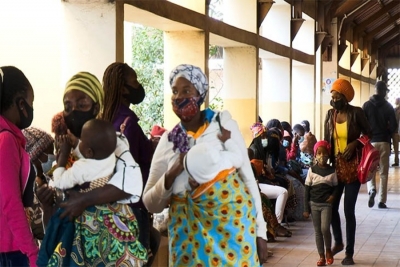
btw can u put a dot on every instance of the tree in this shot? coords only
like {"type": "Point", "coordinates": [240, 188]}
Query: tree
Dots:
{"type": "Point", "coordinates": [148, 61]}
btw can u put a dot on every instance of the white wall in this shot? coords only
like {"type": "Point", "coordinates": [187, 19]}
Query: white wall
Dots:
{"type": "Point", "coordinates": [51, 40]}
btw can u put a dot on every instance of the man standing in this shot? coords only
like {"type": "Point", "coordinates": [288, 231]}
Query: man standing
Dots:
{"type": "Point", "coordinates": [381, 117]}
{"type": "Point", "coordinates": [396, 134]}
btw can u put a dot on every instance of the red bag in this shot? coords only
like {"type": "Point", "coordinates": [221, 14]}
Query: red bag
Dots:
{"type": "Point", "coordinates": [369, 162]}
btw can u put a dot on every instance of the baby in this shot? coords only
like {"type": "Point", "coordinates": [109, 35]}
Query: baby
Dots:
{"type": "Point", "coordinates": [97, 160]}
{"type": "Point", "coordinates": [205, 161]}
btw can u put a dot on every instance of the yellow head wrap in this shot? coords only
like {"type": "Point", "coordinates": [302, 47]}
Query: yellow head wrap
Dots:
{"type": "Point", "coordinates": [87, 83]}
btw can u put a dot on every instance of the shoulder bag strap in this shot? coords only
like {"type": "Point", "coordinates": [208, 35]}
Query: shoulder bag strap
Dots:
{"type": "Point", "coordinates": [334, 126]}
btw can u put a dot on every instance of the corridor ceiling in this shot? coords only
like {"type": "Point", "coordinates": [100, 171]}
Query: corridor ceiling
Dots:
{"type": "Point", "coordinates": [372, 26]}
{"type": "Point", "coordinates": [376, 22]}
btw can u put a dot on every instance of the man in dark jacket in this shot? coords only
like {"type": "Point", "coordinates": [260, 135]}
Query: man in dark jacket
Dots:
{"type": "Point", "coordinates": [382, 119]}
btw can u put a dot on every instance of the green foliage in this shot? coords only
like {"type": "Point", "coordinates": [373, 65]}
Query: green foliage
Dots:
{"type": "Point", "coordinates": [217, 103]}
{"type": "Point", "coordinates": [148, 60]}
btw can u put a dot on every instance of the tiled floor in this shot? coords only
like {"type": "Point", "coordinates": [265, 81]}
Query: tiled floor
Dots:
{"type": "Point", "coordinates": [377, 236]}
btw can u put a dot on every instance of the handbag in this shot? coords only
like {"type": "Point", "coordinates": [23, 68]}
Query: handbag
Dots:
{"type": "Point", "coordinates": [369, 163]}
{"type": "Point", "coordinates": [346, 170]}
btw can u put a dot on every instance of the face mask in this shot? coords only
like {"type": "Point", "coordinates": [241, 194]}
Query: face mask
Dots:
{"type": "Point", "coordinates": [186, 108]}
{"type": "Point", "coordinates": [285, 143]}
{"type": "Point", "coordinates": [136, 95]}
{"type": "Point", "coordinates": [264, 142]}
{"type": "Point", "coordinates": [46, 166]}
{"type": "Point", "coordinates": [25, 122]}
{"type": "Point", "coordinates": [338, 105]}
{"type": "Point", "coordinates": [76, 119]}
{"type": "Point", "coordinates": [301, 139]}
{"type": "Point", "coordinates": [322, 159]}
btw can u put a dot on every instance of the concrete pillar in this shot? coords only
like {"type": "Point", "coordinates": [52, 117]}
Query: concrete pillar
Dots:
{"type": "Point", "coordinates": [302, 93]}
{"type": "Point", "coordinates": [180, 47]}
{"type": "Point", "coordinates": [241, 14]}
{"type": "Point", "coordinates": [274, 96]}
{"type": "Point", "coordinates": [317, 127]}
{"type": "Point", "coordinates": [303, 78]}
{"type": "Point", "coordinates": [240, 86]}
{"type": "Point", "coordinates": [88, 37]}
{"type": "Point", "coordinates": [279, 16]}
{"type": "Point", "coordinates": [51, 40]}
{"type": "Point", "coordinates": [329, 75]}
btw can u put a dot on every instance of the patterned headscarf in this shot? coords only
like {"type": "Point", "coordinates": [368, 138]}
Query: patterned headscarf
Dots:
{"type": "Point", "coordinates": [258, 129]}
{"type": "Point", "coordinates": [193, 74]}
{"type": "Point", "coordinates": [87, 83]}
{"type": "Point", "coordinates": [37, 141]}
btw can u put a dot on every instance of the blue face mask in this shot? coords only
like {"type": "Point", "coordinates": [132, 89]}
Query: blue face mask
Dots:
{"type": "Point", "coordinates": [301, 139]}
{"type": "Point", "coordinates": [46, 166]}
{"type": "Point", "coordinates": [285, 143]}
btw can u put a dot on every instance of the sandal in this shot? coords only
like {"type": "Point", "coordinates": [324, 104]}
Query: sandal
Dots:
{"type": "Point", "coordinates": [321, 262]}
{"type": "Point", "coordinates": [282, 231]}
{"type": "Point", "coordinates": [348, 260]}
{"type": "Point", "coordinates": [329, 258]}
{"type": "Point", "coordinates": [270, 237]}
{"type": "Point", "coordinates": [337, 248]}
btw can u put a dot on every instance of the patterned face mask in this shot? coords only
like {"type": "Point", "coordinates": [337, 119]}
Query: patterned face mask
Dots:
{"type": "Point", "coordinates": [186, 108]}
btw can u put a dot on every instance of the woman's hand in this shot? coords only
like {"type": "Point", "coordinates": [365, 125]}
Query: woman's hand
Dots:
{"type": "Point", "coordinates": [350, 150]}
{"type": "Point", "coordinates": [224, 135]}
{"type": "Point", "coordinates": [193, 184]}
{"type": "Point", "coordinates": [330, 199]}
{"type": "Point", "coordinates": [262, 250]}
{"type": "Point", "coordinates": [306, 214]}
{"type": "Point", "coordinates": [174, 171]}
{"type": "Point", "coordinates": [74, 206]}
{"type": "Point", "coordinates": [72, 139]}
{"type": "Point", "coordinates": [45, 194]}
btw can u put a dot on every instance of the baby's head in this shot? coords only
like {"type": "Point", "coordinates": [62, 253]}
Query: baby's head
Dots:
{"type": "Point", "coordinates": [203, 162]}
{"type": "Point", "coordinates": [98, 139]}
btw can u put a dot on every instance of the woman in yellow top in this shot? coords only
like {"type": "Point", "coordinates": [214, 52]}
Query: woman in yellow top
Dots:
{"type": "Point", "coordinates": [229, 229]}
{"type": "Point", "coordinates": [344, 124]}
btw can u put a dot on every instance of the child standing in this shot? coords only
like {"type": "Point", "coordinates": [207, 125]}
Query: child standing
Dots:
{"type": "Point", "coordinates": [320, 186]}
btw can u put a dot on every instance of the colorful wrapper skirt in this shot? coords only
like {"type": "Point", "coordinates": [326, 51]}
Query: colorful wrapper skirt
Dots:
{"type": "Point", "coordinates": [104, 235]}
{"type": "Point", "coordinates": [215, 225]}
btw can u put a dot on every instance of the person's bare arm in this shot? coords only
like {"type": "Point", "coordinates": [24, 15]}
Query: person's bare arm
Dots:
{"type": "Point", "coordinates": [78, 202]}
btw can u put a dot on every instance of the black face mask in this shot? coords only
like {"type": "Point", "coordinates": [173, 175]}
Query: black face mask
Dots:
{"type": "Point", "coordinates": [338, 105]}
{"type": "Point", "coordinates": [25, 122]}
{"type": "Point", "coordinates": [76, 119]}
{"type": "Point", "coordinates": [136, 95]}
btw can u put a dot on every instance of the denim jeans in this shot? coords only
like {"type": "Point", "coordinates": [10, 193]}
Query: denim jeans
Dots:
{"type": "Point", "coordinates": [14, 258]}
{"type": "Point", "coordinates": [321, 216]}
{"type": "Point", "coordinates": [350, 198]}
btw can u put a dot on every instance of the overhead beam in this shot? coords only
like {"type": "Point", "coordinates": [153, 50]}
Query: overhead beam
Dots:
{"type": "Point", "coordinates": [347, 7]}
{"type": "Point", "coordinates": [385, 47]}
{"type": "Point", "coordinates": [355, 76]}
{"type": "Point", "coordinates": [174, 12]}
{"type": "Point", "coordinates": [375, 16]}
{"type": "Point", "coordinates": [391, 33]}
{"type": "Point", "coordinates": [370, 35]}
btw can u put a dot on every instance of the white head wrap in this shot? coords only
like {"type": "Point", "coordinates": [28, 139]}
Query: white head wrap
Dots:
{"type": "Point", "coordinates": [193, 74]}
